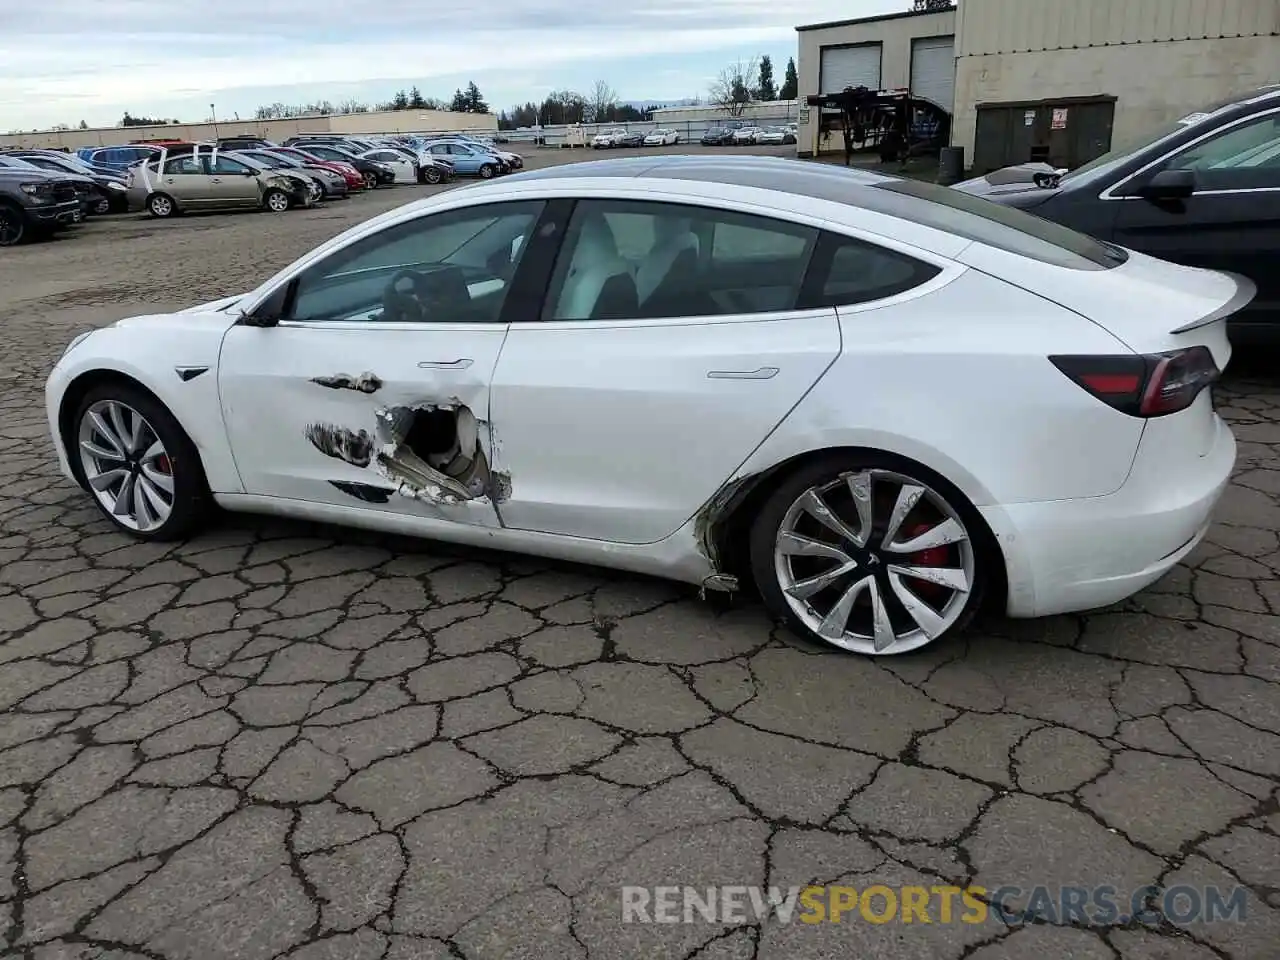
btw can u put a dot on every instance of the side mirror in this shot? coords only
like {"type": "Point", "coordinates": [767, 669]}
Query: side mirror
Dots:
{"type": "Point", "coordinates": [1170, 185]}
{"type": "Point", "coordinates": [250, 173]}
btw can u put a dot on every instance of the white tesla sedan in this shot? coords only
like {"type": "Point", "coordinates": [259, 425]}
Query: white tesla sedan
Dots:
{"type": "Point", "coordinates": [883, 402]}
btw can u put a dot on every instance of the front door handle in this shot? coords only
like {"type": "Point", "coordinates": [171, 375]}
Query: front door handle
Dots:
{"type": "Point", "coordinates": [446, 364]}
{"type": "Point", "coordinates": [215, 179]}
{"type": "Point", "coordinates": [760, 373]}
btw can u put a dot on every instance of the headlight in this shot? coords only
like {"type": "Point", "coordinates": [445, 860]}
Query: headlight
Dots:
{"type": "Point", "coordinates": [79, 339]}
{"type": "Point", "coordinates": [30, 188]}
{"type": "Point", "coordinates": [114, 185]}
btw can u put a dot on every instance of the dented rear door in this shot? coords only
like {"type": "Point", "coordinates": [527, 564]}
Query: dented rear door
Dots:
{"type": "Point", "coordinates": [621, 430]}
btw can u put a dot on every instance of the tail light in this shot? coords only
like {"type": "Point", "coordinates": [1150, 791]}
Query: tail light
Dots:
{"type": "Point", "coordinates": [1154, 385]}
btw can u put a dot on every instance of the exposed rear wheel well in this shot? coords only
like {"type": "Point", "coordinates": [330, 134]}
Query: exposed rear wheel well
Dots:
{"type": "Point", "coordinates": [731, 531]}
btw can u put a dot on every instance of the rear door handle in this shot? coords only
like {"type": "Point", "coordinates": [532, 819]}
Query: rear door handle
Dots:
{"type": "Point", "coordinates": [446, 364]}
{"type": "Point", "coordinates": [760, 373]}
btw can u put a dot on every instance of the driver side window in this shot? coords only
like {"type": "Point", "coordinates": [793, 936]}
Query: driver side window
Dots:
{"type": "Point", "coordinates": [1245, 157]}
{"type": "Point", "coordinates": [449, 267]}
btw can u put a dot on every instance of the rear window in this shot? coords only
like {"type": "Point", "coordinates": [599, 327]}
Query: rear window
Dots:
{"type": "Point", "coordinates": [1005, 228]}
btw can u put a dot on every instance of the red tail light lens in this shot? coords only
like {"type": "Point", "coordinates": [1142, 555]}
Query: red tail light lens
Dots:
{"type": "Point", "coordinates": [1154, 385]}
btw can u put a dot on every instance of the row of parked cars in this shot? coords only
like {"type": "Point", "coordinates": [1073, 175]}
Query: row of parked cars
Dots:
{"type": "Point", "coordinates": [42, 191]}
{"type": "Point", "coordinates": [742, 135]}
{"type": "Point", "coordinates": [620, 137]}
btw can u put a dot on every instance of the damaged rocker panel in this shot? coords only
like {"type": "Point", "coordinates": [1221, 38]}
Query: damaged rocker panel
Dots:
{"type": "Point", "coordinates": [364, 491]}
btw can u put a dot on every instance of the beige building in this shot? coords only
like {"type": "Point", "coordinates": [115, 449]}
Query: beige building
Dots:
{"type": "Point", "coordinates": [900, 51]}
{"type": "Point", "coordinates": [773, 111]}
{"type": "Point", "coordinates": [1067, 80]}
{"type": "Point", "coordinates": [386, 121]}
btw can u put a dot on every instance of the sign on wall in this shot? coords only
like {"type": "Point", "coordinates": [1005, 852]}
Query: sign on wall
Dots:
{"type": "Point", "coordinates": [1059, 119]}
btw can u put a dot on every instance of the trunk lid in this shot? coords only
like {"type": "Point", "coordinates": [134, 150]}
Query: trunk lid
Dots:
{"type": "Point", "coordinates": [1149, 305]}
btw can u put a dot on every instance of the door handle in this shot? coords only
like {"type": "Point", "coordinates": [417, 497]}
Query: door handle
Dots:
{"type": "Point", "coordinates": [446, 364]}
{"type": "Point", "coordinates": [760, 373]}
{"type": "Point", "coordinates": [215, 179]}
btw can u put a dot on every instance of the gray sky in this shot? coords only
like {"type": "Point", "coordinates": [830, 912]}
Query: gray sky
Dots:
{"type": "Point", "coordinates": [63, 61]}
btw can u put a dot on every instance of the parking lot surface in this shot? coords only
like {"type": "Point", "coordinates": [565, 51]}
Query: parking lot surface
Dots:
{"type": "Point", "coordinates": [287, 740]}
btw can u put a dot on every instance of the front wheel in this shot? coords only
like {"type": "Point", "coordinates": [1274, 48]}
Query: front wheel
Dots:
{"type": "Point", "coordinates": [371, 181]}
{"type": "Point", "coordinates": [139, 464]}
{"type": "Point", "coordinates": [869, 553]}
{"type": "Point", "coordinates": [276, 200]}
{"type": "Point", "coordinates": [487, 171]}
{"type": "Point", "coordinates": [431, 175]}
{"type": "Point", "coordinates": [13, 226]}
{"type": "Point", "coordinates": [160, 205]}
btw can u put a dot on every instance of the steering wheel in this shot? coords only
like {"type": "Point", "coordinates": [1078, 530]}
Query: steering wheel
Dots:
{"type": "Point", "coordinates": [408, 298]}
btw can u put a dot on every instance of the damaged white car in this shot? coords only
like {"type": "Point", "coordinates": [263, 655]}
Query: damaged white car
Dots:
{"type": "Point", "coordinates": [882, 402]}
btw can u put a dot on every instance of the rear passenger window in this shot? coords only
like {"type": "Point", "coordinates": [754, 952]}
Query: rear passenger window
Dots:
{"type": "Point", "coordinates": [848, 271]}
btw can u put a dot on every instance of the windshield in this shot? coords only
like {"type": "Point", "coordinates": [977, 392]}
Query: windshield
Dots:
{"type": "Point", "coordinates": [15, 162]}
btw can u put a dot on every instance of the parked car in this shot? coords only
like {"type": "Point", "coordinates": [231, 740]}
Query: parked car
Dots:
{"type": "Point", "coordinates": [111, 186]}
{"type": "Point", "coordinates": [88, 198]}
{"type": "Point", "coordinates": [34, 203]}
{"type": "Point", "coordinates": [333, 185]}
{"type": "Point", "coordinates": [243, 143]}
{"type": "Point", "coordinates": [513, 160]}
{"type": "Point", "coordinates": [508, 161]}
{"type": "Point", "coordinates": [630, 139]}
{"type": "Point", "coordinates": [607, 139]}
{"type": "Point", "coordinates": [374, 173]}
{"type": "Point", "coordinates": [662, 138]}
{"type": "Point", "coordinates": [1203, 192]}
{"type": "Point", "coordinates": [745, 135]}
{"type": "Point", "coordinates": [195, 182]}
{"type": "Point", "coordinates": [875, 520]}
{"type": "Point", "coordinates": [117, 158]}
{"type": "Point", "coordinates": [718, 137]}
{"type": "Point", "coordinates": [467, 160]}
{"type": "Point", "coordinates": [404, 167]}
{"type": "Point", "coordinates": [355, 180]}
{"type": "Point", "coordinates": [321, 183]}
{"type": "Point", "coordinates": [775, 136]}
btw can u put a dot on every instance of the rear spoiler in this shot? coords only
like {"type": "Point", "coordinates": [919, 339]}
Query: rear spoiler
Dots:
{"type": "Point", "coordinates": [1246, 290]}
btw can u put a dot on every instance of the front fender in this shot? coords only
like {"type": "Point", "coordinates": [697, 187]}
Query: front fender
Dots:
{"type": "Point", "coordinates": [152, 351]}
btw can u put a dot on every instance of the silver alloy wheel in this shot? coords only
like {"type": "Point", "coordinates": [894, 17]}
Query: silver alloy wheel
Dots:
{"type": "Point", "coordinates": [126, 465]}
{"type": "Point", "coordinates": [277, 201]}
{"type": "Point", "coordinates": [874, 562]}
{"type": "Point", "coordinates": [161, 206]}
{"type": "Point", "coordinates": [371, 181]}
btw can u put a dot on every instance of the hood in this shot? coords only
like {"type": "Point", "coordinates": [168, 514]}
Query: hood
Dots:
{"type": "Point", "coordinates": [215, 306]}
{"type": "Point", "coordinates": [1019, 178]}
{"type": "Point", "coordinates": [203, 317]}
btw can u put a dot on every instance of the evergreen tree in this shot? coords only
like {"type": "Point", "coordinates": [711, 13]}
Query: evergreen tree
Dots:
{"type": "Point", "coordinates": [766, 89]}
{"type": "Point", "coordinates": [790, 82]}
{"type": "Point", "coordinates": [475, 102]}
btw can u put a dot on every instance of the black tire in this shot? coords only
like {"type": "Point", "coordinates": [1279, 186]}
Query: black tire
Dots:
{"type": "Point", "coordinates": [487, 171]}
{"type": "Point", "coordinates": [371, 181]}
{"type": "Point", "coordinates": [192, 502]}
{"type": "Point", "coordinates": [101, 206]}
{"type": "Point", "coordinates": [13, 225]}
{"type": "Point", "coordinates": [431, 175]}
{"type": "Point", "coordinates": [161, 205]}
{"type": "Point", "coordinates": [768, 522]}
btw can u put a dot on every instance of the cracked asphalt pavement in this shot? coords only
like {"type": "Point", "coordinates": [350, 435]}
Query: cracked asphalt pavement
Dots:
{"type": "Point", "coordinates": [281, 740]}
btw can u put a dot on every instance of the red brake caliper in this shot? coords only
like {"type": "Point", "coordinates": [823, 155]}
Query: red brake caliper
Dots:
{"type": "Point", "coordinates": [163, 465]}
{"type": "Point", "coordinates": [932, 557]}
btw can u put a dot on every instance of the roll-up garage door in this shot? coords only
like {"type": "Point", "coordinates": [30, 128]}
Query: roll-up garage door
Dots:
{"type": "Point", "coordinates": [933, 70]}
{"type": "Point", "coordinates": [843, 67]}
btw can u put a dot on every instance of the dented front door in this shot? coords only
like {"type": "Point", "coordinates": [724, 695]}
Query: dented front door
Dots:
{"type": "Point", "coordinates": [365, 415]}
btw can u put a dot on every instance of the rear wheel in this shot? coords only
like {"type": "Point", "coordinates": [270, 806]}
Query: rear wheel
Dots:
{"type": "Point", "coordinates": [487, 171]}
{"type": "Point", "coordinates": [869, 553]}
{"type": "Point", "coordinates": [13, 226]}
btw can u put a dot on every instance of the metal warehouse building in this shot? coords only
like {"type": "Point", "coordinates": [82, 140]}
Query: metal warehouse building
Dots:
{"type": "Point", "coordinates": [1060, 80]}
{"type": "Point", "coordinates": [897, 51]}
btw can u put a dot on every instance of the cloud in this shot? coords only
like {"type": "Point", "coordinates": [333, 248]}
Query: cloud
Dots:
{"type": "Point", "coordinates": [132, 53]}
